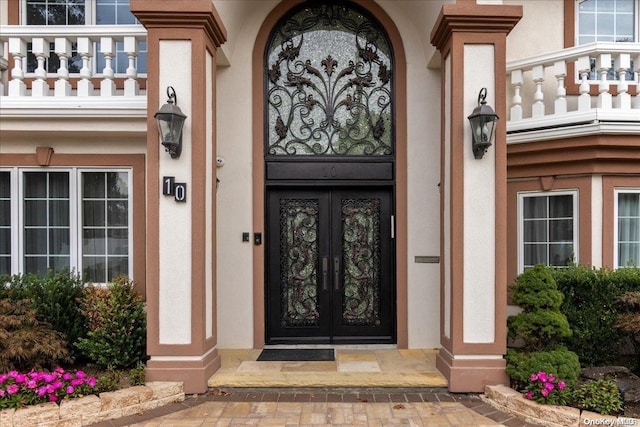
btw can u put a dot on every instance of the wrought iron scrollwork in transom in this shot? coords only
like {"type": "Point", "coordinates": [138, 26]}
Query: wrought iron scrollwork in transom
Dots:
{"type": "Point", "coordinates": [329, 84]}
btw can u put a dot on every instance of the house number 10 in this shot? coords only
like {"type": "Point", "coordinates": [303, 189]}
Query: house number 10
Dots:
{"type": "Point", "coordinates": [176, 189]}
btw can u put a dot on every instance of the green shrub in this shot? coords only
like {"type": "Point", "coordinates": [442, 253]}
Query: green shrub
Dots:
{"type": "Point", "coordinates": [109, 381]}
{"type": "Point", "coordinates": [25, 342]}
{"type": "Point", "coordinates": [137, 375]}
{"type": "Point", "coordinates": [600, 396]}
{"type": "Point", "coordinates": [591, 308]}
{"type": "Point", "coordinates": [56, 301]}
{"type": "Point", "coordinates": [562, 363]}
{"type": "Point", "coordinates": [540, 327]}
{"type": "Point", "coordinates": [117, 325]}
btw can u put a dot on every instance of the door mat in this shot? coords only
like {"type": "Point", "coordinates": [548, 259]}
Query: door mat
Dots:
{"type": "Point", "coordinates": [297, 354]}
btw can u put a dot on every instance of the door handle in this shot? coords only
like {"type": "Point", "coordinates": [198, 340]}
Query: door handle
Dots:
{"type": "Point", "coordinates": [325, 272]}
{"type": "Point", "coordinates": [336, 273]}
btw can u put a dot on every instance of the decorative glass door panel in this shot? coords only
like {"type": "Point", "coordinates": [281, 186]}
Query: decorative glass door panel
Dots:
{"type": "Point", "coordinates": [330, 266]}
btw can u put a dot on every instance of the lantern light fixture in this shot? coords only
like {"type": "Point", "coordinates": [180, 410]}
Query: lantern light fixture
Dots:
{"type": "Point", "coordinates": [170, 121]}
{"type": "Point", "coordinates": [482, 120]}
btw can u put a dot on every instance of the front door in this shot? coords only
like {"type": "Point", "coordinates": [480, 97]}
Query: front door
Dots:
{"type": "Point", "coordinates": [330, 266]}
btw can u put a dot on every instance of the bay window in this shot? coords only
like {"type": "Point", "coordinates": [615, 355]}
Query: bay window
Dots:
{"type": "Point", "coordinates": [547, 225]}
{"type": "Point", "coordinates": [73, 218]}
{"type": "Point", "coordinates": [627, 228]}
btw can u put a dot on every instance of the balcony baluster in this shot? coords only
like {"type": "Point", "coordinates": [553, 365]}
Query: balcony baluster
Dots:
{"type": "Point", "coordinates": [85, 50]}
{"type": "Point", "coordinates": [107, 85]}
{"type": "Point", "coordinates": [584, 68]}
{"type": "Point", "coordinates": [603, 64]}
{"type": "Point", "coordinates": [131, 85]}
{"type": "Point", "coordinates": [40, 48]}
{"type": "Point", "coordinates": [62, 47]}
{"type": "Point", "coordinates": [537, 110]}
{"type": "Point", "coordinates": [560, 71]}
{"type": "Point", "coordinates": [18, 50]}
{"type": "Point", "coordinates": [517, 81]}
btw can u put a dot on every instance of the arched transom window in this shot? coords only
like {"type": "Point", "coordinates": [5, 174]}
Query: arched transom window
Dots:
{"type": "Point", "coordinates": [329, 83]}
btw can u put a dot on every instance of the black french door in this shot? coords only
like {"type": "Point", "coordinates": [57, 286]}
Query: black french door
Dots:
{"type": "Point", "coordinates": [330, 262]}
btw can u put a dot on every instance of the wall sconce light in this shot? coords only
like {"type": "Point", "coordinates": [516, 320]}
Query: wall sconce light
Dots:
{"type": "Point", "coordinates": [170, 121]}
{"type": "Point", "coordinates": [482, 120]}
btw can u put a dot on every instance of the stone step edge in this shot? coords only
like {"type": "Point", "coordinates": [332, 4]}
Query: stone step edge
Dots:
{"type": "Point", "coordinates": [92, 409]}
{"type": "Point", "coordinates": [512, 402]}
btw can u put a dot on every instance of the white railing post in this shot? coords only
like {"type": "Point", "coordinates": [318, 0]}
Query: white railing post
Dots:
{"type": "Point", "coordinates": [62, 48]}
{"type": "Point", "coordinates": [107, 85]}
{"type": "Point", "coordinates": [583, 64]}
{"type": "Point", "coordinates": [537, 110]}
{"type": "Point", "coordinates": [85, 50]}
{"type": "Point", "coordinates": [636, 64]}
{"type": "Point", "coordinates": [40, 48]}
{"type": "Point", "coordinates": [603, 64]}
{"type": "Point", "coordinates": [517, 81]}
{"type": "Point", "coordinates": [560, 71]}
{"type": "Point", "coordinates": [3, 69]}
{"type": "Point", "coordinates": [623, 99]}
{"type": "Point", "coordinates": [131, 85]}
{"type": "Point", "coordinates": [18, 50]}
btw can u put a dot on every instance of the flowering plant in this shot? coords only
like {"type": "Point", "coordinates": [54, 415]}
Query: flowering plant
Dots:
{"type": "Point", "coordinates": [545, 388]}
{"type": "Point", "coordinates": [19, 389]}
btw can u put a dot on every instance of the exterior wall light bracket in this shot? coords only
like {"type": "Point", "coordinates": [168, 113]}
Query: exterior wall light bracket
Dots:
{"type": "Point", "coordinates": [170, 121]}
{"type": "Point", "coordinates": [482, 120]}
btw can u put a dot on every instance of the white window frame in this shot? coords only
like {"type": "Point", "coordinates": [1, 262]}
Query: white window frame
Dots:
{"type": "Point", "coordinates": [636, 30]}
{"type": "Point", "coordinates": [576, 224]}
{"type": "Point", "coordinates": [75, 214]}
{"type": "Point", "coordinates": [616, 192]}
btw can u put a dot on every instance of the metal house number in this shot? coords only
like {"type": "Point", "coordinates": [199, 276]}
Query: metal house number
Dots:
{"type": "Point", "coordinates": [176, 189]}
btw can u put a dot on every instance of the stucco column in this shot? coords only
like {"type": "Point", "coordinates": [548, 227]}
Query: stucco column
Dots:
{"type": "Point", "coordinates": [472, 42]}
{"type": "Point", "coordinates": [181, 244]}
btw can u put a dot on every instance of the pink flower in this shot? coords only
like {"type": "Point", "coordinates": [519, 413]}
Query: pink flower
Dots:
{"type": "Point", "coordinates": [53, 398]}
{"type": "Point", "coordinates": [1, 392]}
{"type": "Point", "coordinates": [13, 389]}
{"type": "Point", "coordinates": [542, 376]}
{"type": "Point", "coordinates": [561, 385]}
{"type": "Point", "coordinates": [76, 382]}
{"type": "Point", "coordinates": [70, 390]}
{"type": "Point", "coordinates": [42, 391]}
{"type": "Point", "coordinates": [534, 377]}
{"type": "Point", "coordinates": [544, 392]}
{"type": "Point", "coordinates": [91, 382]}
{"type": "Point", "coordinates": [529, 395]}
{"type": "Point", "coordinates": [21, 378]}
{"type": "Point", "coordinates": [551, 378]}
{"type": "Point", "coordinates": [32, 384]}
{"type": "Point", "coordinates": [549, 386]}
{"type": "Point", "coordinates": [80, 374]}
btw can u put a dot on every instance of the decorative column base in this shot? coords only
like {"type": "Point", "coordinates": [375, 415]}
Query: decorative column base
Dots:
{"type": "Point", "coordinates": [471, 374]}
{"type": "Point", "coordinates": [193, 371]}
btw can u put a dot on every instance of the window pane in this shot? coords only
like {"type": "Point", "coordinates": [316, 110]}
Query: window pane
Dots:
{"type": "Point", "coordinates": [628, 255]}
{"type": "Point", "coordinates": [35, 184]}
{"type": "Point", "coordinates": [105, 14]}
{"type": "Point", "coordinates": [35, 265]}
{"type": "Point", "coordinates": [535, 231]}
{"type": "Point", "coordinates": [628, 204]}
{"type": "Point", "coordinates": [628, 229]}
{"type": "Point", "coordinates": [35, 241]}
{"type": "Point", "coordinates": [561, 206]}
{"type": "Point", "coordinates": [35, 213]}
{"type": "Point", "coordinates": [117, 185]}
{"type": "Point", "coordinates": [5, 185]}
{"type": "Point", "coordinates": [561, 230]}
{"type": "Point", "coordinates": [59, 241]}
{"type": "Point", "coordinates": [535, 254]}
{"type": "Point", "coordinates": [5, 213]}
{"type": "Point", "coordinates": [5, 241]}
{"type": "Point", "coordinates": [5, 265]}
{"type": "Point", "coordinates": [59, 184]}
{"type": "Point", "coordinates": [118, 266]}
{"type": "Point", "coordinates": [93, 242]}
{"type": "Point", "coordinates": [59, 213]}
{"type": "Point", "coordinates": [535, 207]}
{"type": "Point", "coordinates": [93, 185]}
{"type": "Point", "coordinates": [93, 213]}
{"type": "Point", "coordinates": [94, 269]}
{"type": "Point", "coordinates": [118, 242]}
{"type": "Point", "coordinates": [36, 13]}
{"type": "Point", "coordinates": [560, 254]}
{"type": "Point", "coordinates": [58, 263]}
{"type": "Point", "coordinates": [118, 214]}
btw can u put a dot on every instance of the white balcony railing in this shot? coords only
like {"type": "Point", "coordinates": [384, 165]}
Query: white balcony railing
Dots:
{"type": "Point", "coordinates": [604, 74]}
{"type": "Point", "coordinates": [92, 45]}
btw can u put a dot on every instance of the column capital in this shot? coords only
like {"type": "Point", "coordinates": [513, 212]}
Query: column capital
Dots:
{"type": "Point", "coordinates": [184, 14]}
{"type": "Point", "coordinates": [473, 18]}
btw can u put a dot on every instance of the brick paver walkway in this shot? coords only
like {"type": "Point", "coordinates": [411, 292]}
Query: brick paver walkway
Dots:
{"type": "Point", "coordinates": [324, 407]}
